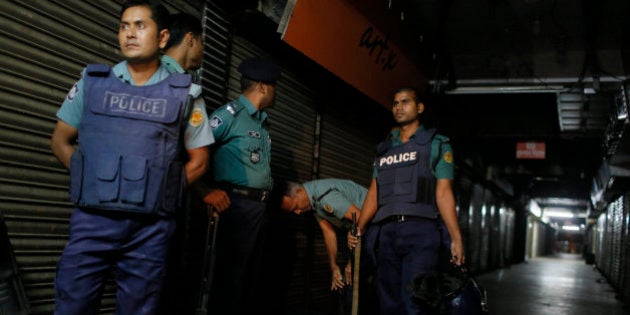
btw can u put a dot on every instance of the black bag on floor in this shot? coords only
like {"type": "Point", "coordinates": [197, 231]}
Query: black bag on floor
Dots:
{"type": "Point", "coordinates": [453, 292]}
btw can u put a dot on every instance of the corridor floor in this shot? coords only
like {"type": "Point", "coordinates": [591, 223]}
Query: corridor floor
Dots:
{"type": "Point", "coordinates": [556, 285]}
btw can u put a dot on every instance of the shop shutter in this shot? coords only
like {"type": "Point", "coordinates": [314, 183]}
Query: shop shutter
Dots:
{"type": "Point", "coordinates": [43, 48]}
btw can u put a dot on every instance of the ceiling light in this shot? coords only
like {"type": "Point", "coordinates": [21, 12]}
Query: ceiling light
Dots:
{"type": "Point", "coordinates": [558, 214]}
{"type": "Point", "coordinates": [570, 228]}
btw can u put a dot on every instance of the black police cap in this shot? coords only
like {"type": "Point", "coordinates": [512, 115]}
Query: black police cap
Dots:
{"type": "Point", "coordinates": [259, 69]}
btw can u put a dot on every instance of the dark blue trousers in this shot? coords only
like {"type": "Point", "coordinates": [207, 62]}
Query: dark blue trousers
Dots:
{"type": "Point", "coordinates": [134, 245]}
{"type": "Point", "coordinates": [239, 250]}
{"type": "Point", "coordinates": [405, 250]}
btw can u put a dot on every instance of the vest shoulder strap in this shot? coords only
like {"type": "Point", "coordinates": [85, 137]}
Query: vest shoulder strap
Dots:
{"type": "Point", "coordinates": [425, 136]}
{"type": "Point", "coordinates": [180, 80]}
{"type": "Point", "coordinates": [98, 70]}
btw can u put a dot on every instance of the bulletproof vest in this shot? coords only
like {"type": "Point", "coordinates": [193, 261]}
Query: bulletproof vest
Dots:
{"type": "Point", "coordinates": [130, 145]}
{"type": "Point", "coordinates": [405, 183]}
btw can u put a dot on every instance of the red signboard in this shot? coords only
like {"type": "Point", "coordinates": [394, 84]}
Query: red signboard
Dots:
{"type": "Point", "coordinates": [530, 150]}
{"type": "Point", "coordinates": [335, 35]}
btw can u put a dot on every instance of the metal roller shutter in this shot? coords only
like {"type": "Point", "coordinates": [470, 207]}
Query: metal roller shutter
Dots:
{"type": "Point", "coordinates": [345, 153]}
{"type": "Point", "coordinates": [213, 76]}
{"type": "Point", "coordinates": [43, 48]}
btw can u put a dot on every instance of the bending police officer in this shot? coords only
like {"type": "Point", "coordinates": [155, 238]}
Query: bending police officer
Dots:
{"type": "Point", "coordinates": [334, 201]}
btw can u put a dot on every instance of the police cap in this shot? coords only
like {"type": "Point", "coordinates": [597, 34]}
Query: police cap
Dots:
{"type": "Point", "coordinates": [259, 69]}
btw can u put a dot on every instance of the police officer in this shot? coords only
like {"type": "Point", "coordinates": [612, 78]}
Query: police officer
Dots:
{"type": "Point", "coordinates": [184, 49]}
{"type": "Point", "coordinates": [127, 175]}
{"type": "Point", "coordinates": [184, 52]}
{"type": "Point", "coordinates": [242, 169]}
{"type": "Point", "coordinates": [334, 201]}
{"type": "Point", "coordinates": [411, 188]}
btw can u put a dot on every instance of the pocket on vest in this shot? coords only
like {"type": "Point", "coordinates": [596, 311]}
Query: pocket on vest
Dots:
{"type": "Point", "coordinates": [107, 175]}
{"type": "Point", "coordinates": [398, 184]}
{"type": "Point", "coordinates": [134, 178]}
{"type": "Point", "coordinates": [76, 176]}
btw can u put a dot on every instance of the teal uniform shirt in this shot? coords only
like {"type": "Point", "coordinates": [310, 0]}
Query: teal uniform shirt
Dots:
{"type": "Point", "coordinates": [197, 132]}
{"type": "Point", "coordinates": [171, 65]}
{"type": "Point", "coordinates": [243, 153]}
{"type": "Point", "coordinates": [441, 155]}
{"type": "Point", "coordinates": [335, 203]}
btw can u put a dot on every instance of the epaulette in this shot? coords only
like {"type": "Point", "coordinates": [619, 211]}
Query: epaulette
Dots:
{"type": "Point", "coordinates": [195, 90]}
{"type": "Point", "coordinates": [233, 108]}
{"type": "Point", "coordinates": [441, 138]}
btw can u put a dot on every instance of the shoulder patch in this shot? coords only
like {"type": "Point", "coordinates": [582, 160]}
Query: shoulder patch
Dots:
{"type": "Point", "coordinates": [73, 92]}
{"type": "Point", "coordinates": [215, 122]}
{"type": "Point", "coordinates": [448, 157]}
{"type": "Point", "coordinates": [196, 118]}
{"type": "Point", "coordinates": [328, 208]}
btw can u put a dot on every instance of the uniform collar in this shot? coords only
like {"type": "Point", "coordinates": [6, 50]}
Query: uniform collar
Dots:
{"type": "Point", "coordinates": [122, 72]}
{"type": "Point", "coordinates": [395, 134]}
{"type": "Point", "coordinates": [249, 107]}
{"type": "Point", "coordinates": [171, 64]}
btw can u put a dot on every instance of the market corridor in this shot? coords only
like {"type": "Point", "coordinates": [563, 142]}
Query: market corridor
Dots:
{"type": "Point", "coordinates": [555, 285]}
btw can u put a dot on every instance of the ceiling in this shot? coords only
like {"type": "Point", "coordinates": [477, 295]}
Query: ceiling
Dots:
{"type": "Point", "coordinates": [504, 71]}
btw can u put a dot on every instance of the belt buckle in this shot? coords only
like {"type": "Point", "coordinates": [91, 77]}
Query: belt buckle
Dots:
{"type": "Point", "coordinates": [264, 195]}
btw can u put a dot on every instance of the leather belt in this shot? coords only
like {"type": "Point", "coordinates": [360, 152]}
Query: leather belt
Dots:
{"type": "Point", "coordinates": [247, 192]}
{"type": "Point", "coordinates": [404, 218]}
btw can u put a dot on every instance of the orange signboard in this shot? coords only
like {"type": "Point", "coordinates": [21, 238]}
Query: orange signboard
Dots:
{"type": "Point", "coordinates": [335, 35]}
{"type": "Point", "coordinates": [530, 150]}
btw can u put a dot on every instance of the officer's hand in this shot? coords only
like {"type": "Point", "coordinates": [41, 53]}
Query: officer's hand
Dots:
{"type": "Point", "coordinates": [353, 240]}
{"type": "Point", "coordinates": [219, 199]}
{"type": "Point", "coordinates": [457, 253]}
{"type": "Point", "coordinates": [348, 272]}
{"type": "Point", "coordinates": [337, 279]}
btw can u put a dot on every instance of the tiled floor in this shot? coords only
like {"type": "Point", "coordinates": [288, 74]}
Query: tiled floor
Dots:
{"type": "Point", "coordinates": [556, 285]}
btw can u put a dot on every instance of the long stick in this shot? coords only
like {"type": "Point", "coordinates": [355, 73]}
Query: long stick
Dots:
{"type": "Point", "coordinates": [208, 261]}
{"type": "Point", "coordinates": [355, 275]}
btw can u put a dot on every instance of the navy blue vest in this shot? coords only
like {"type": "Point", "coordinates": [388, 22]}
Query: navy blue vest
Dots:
{"type": "Point", "coordinates": [405, 183]}
{"type": "Point", "coordinates": [130, 147]}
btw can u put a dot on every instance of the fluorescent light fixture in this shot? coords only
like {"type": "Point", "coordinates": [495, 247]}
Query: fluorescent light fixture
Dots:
{"type": "Point", "coordinates": [570, 227]}
{"type": "Point", "coordinates": [506, 89]}
{"type": "Point", "coordinates": [534, 208]}
{"type": "Point", "coordinates": [559, 214]}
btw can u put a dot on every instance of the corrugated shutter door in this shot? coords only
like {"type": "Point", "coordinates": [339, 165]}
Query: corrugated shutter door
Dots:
{"type": "Point", "coordinates": [215, 70]}
{"type": "Point", "coordinates": [344, 152]}
{"type": "Point", "coordinates": [43, 48]}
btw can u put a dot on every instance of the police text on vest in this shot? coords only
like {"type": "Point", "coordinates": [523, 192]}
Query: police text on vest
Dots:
{"type": "Point", "coordinates": [398, 158]}
{"type": "Point", "coordinates": [136, 105]}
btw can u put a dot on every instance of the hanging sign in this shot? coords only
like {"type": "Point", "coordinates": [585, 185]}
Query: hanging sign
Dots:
{"type": "Point", "coordinates": [530, 150]}
{"type": "Point", "coordinates": [335, 35]}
